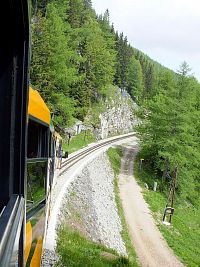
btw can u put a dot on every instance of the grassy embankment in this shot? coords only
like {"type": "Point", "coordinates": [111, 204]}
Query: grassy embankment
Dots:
{"type": "Point", "coordinates": [78, 141]}
{"type": "Point", "coordinates": [77, 250]}
{"type": "Point", "coordinates": [183, 236]}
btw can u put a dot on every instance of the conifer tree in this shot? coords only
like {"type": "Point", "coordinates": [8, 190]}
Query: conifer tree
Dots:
{"type": "Point", "coordinates": [51, 70]}
{"type": "Point", "coordinates": [135, 85]}
{"type": "Point", "coordinates": [168, 129]}
{"type": "Point", "coordinates": [74, 13]}
{"type": "Point", "coordinates": [124, 53]}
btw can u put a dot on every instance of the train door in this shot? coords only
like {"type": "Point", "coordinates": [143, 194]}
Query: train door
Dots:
{"type": "Point", "coordinates": [58, 140]}
{"type": "Point", "coordinates": [52, 157]}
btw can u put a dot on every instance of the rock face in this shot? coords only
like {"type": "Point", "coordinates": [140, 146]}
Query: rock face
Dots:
{"type": "Point", "coordinates": [118, 117]}
{"type": "Point", "coordinates": [91, 198]}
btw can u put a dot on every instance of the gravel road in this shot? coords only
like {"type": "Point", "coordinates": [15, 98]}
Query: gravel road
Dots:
{"type": "Point", "coordinates": [151, 248]}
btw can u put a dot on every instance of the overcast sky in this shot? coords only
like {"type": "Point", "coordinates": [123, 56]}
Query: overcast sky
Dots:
{"type": "Point", "coordinates": [166, 30]}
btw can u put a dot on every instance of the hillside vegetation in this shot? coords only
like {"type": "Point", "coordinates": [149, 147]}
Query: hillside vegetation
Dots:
{"type": "Point", "coordinates": [169, 133]}
{"type": "Point", "coordinates": [184, 233]}
{"type": "Point", "coordinates": [169, 138]}
{"type": "Point", "coordinates": [77, 55]}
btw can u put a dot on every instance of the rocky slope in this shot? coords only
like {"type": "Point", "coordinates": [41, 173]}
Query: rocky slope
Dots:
{"type": "Point", "coordinates": [90, 205]}
{"type": "Point", "coordinates": [118, 118]}
{"type": "Point", "coordinates": [111, 116]}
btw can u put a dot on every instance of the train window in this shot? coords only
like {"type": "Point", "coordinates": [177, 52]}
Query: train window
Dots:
{"type": "Point", "coordinates": [37, 140]}
{"type": "Point", "coordinates": [36, 179]}
{"type": "Point", "coordinates": [37, 153]}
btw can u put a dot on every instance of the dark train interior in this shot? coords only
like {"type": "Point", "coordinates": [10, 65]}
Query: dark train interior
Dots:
{"type": "Point", "coordinates": [14, 54]}
{"type": "Point", "coordinates": [13, 96]}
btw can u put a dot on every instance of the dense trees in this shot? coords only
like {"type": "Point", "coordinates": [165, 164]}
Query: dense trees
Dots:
{"type": "Point", "coordinates": [51, 70]}
{"type": "Point", "coordinates": [73, 56]}
{"type": "Point", "coordinates": [168, 132]}
{"type": "Point", "coordinates": [135, 83]}
{"type": "Point", "coordinates": [77, 55]}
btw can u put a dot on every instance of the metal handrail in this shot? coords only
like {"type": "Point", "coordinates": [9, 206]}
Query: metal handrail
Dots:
{"type": "Point", "coordinates": [11, 222]}
{"type": "Point", "coordinates": [36, 160]}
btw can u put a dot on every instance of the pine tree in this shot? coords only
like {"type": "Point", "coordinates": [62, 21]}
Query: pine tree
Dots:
{"type": "Point", "coordinates": [135, 85]}
{"type": "Point", "coordinates": [74, 13]}
{"type": "Point", "coordinates": [94, 44]}
{"type": "Point", "coordinates": [107, 30]}
{"type": "Point", "coordinates": [167, 132]}
{"type": "Point", "coordinates": [124, 53]}
{"type": "Point", "coordinates": [51, 70]}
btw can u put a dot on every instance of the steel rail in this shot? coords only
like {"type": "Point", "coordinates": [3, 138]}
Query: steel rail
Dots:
{"type": "Point", "coordinates": [74, 159]}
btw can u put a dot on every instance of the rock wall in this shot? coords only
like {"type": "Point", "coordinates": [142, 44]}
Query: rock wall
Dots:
{"type": "Point", "coordinates": [118, 117]}
{"type": "Point", "coordinates": [90, 205]}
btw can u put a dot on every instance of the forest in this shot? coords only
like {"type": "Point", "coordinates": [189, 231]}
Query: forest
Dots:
{"type": "Point", "coordinates": [77, 55]}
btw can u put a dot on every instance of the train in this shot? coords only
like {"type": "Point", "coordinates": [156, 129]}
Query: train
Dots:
{"type": "Point", "coordinates": [31, 149]}
{"type": "Point", "coordinates": [44, 157]}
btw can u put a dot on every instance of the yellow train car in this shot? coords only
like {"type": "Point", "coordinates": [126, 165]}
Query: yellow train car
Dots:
{"type": "Point", "coordinates": [38, 177]}
{"type": "Point", "coordinates": [27, 144]}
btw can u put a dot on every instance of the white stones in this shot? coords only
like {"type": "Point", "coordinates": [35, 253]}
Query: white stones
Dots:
{"type": "Point", "coordinates": [49, 258]}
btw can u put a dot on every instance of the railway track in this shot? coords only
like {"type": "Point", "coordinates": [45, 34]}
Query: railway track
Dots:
{"type": "Point", "coordinates": [60, 187]}
{"type": "Point", "coordinates": [74, 159]}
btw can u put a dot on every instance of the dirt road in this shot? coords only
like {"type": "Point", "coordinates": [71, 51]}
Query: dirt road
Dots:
{"type": "Point", "coordinates": [151, 248]}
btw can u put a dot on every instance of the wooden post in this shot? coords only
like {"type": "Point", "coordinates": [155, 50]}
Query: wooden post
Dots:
{"type": "Point", "coordinates": [69, 137]}
{"type": "Point", "coordinates": [141, 160]}
{"type": "Point", "coordinates": [85, 135]}
{"type": "Point", "coordinates": [165, 172]}
{"type": "Point", "coordinates": [173, 191]}
{"type": "Point", "coordinates": [169, 210]}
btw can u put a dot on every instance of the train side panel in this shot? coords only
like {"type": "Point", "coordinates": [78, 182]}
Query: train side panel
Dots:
{"type": "Point", "coordinates": [38, 179]}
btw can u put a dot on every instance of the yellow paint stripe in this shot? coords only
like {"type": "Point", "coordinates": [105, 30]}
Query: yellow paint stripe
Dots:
{"type": "Point", "coordinates": [35, 262]}
{"type": "Point", "coordinates": [29, 235]}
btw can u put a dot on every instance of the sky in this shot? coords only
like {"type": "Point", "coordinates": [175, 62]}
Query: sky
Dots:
{"type": "Point", "coordinates": [166, 30]}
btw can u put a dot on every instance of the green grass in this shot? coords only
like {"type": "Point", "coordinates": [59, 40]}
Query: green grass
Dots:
{"type": "Point", "coordinates": [115, 155]}
{"type": "Point", "coordinates": [183, 236]}
{"type": "Point", "coordinates": [75, 250]}
{"type": "Point", "coordinates": [78, 141]}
